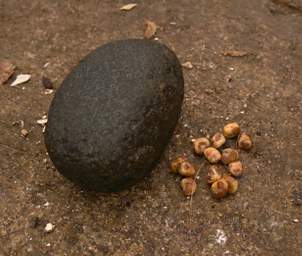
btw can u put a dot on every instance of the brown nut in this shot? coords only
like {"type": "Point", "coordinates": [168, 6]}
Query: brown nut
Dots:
{"type": "Point", "coordinates": [200, 145]}
{"type": "Point", "coordinates": [236, 168]}
{"type": "Point", "coordinates": [231, 130]}
{"type": "Point", "coordinates": [219, 188]}
{"type": "Point", "coordinates": [229, 155]}
{"type": "Point", "coordinates": [244, 142]}
{"type": "Point", "coordinates": [188, 186]}
{"type": "Point", "coordinates": [175, 164]}
{"type": "Point", "coordinates": [212, 155]}
{"type": "Point", "coordinates": [214, 174]}
{"type": "Point", "coordinates": [218, 140]}
{"type": "Point", "coordinates": [186, 169]}
{"type": "Point", "coordinates": [232, 184]}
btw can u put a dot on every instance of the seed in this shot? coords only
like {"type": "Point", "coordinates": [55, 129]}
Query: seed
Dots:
{"type": "Point", "coordinates": [229, 155]}
{"type": "Point", "coordinates": [219, 188]}
{"type": "Point", "coordinates": [175, 164]}
{"type": "Point", "coordinates": [200, 145]}
{"type": "Point", "coordinates": [217, 140]}
{"type": "Point", "coordinates": [232, 184]}
{"type": "Point", "coordinates": [214, 174]}
{"type": "Point", "coordinates": [188, 186]}
{"type": "Point", "coordinates": [231, 130]}
{"type": "Point", "coordinates": [186, 169]}
{"type": "Point", "coordinates": [212, 155]}
{"type": "Point", "coordinates": [244, 142]}
{"type": "Point", "coordinates": [236, 168]}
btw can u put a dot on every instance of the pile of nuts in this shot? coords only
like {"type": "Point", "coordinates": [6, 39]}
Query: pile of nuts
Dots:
{"type": "Point", "coordinates": [221, 183]}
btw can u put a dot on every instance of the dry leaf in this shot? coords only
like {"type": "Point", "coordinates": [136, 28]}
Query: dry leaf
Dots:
{"type": "Point", "coordinates": [150, 30]}
{"type": "Point", "coordinates": [21, 79]}
{"type": "Point", "coordinates": [187, 65]}
{"type": "Point", "coordinates": [128, 7]}
{"type": "Point", "coordinates": [6, 71]}
{"type": "Point", "coordinates": [24, 133]}
{"type": "Point", "coordinates": [234, 53]}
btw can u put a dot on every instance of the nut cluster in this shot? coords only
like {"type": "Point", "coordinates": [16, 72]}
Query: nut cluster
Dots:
{"type": "Point", "coordinates": [181, 166]}
{"type": "Point", "coordinates": [225, 165]}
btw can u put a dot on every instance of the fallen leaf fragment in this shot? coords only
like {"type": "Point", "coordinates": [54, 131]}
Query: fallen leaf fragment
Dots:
{"type": "Point", "coordinates": [187, 65]}
{"type": "Point", "coordinates": [128, 7]}
{"type": "Point", "coordinates": [234, 53]}
{"type": "Point", "coordinates": [21, 79]}
{"type": "Point", "coordinates": [24, 133]}
{"type": "Point", "coordinates": [150, 30]}
{"type": "Point", "coordinates": [6, 71]}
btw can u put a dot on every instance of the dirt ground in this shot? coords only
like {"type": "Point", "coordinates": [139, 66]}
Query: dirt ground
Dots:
{"type": "Point", "coordinates": [264, 95]}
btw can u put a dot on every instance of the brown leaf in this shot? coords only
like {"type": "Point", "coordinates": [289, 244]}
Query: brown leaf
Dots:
{"type": "Point", "coordinates": [234, 53]}
{"type": "Point", "coordinates": [6, 71]}
{"type": "Point", "coordinates": [128, 7]}
{"type": "Point", "coordinates": [150, 30]}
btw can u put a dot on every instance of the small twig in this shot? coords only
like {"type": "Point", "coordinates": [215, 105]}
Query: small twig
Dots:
{"type": "Point", "coordinates": [191, 199]}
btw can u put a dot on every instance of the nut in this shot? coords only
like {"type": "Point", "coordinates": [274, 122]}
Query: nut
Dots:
{"type": "Point", "coordinates": [229, 155]}
{"type": "Point", "coordinates": [232, 184]}
{"type": "Point", "coordinates": [214, 174]}
{"type": "Point", "coordinates": [236, 168]}
{"type": "Point", "coordinates": [188, 186]}
{"type": "Point", "coordinates": [231, 130]}
{"type": "Point", "coordinates": [219, 188]}
{"type": "Point", "coordinates": [212, 155]}
{"type": "Point", "coordinates": [175, 164]}
{"type": "Point", "coordinates": [200, 145]}
{"type": "Point", "coordinates": [217, 140]}
{"type": "Point", "coordinates": [244, 142]}
{"type": "Point", "coordinates": [186, 169]}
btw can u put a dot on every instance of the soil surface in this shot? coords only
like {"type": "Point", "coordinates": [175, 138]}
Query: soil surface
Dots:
{"type": "Point", "coordinates": [262, 91]}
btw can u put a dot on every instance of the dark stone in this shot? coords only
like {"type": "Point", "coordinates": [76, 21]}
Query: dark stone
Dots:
{"type": "Point", "coordinates": [114, 114]}
{"type": "Point", "coordinates": [297, 196]}
{"type": "Point", "coordinates": [34, 221]}
{"type": "Point", "coordinates": [47, 83]}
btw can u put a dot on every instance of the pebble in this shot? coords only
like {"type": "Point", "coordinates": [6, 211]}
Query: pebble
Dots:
{"type": "Point", "coordinates": [49, 227]}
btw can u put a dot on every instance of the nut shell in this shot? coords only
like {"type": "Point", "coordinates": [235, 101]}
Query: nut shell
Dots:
{"type": "Point", "coordinates": [188, 186]}
{"type": "Point", "coordinates": [200, 145]}
{"type": "Point", "coordinates": [231, 130]}
{"type": "Point", "coordinates": [232, 184]}
{"type": "Point", "coordinates": [229, 155]}
{"type": "Point", "coordinates": [236, 168]}
{"type": "Point", "coordinates": [212, 155]}
{"type": "Point", "coordinates": [218, 140]}
{"type": "Point", "coordinates": [175, 164]}
{"type": "Point", "coordinates": [244, 142]}
{"type": "Point", "coordinates": [186, 169]}
{"type": "Point", "coordinates": [219, 189]}
{"type": "Point", "coordinates": [214, 174]}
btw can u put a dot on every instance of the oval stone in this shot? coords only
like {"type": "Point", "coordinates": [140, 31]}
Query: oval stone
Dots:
{"type": "Point", "coordinates": [113, 115]}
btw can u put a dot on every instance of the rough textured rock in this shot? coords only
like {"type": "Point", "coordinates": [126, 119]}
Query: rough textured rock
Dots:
{"type": "Point", "coordinates": [113, 115]}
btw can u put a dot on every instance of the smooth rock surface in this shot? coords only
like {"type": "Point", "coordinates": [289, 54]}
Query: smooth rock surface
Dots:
{"type": "Point", "coordinates": [114, 114]}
